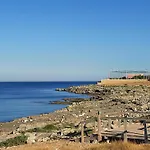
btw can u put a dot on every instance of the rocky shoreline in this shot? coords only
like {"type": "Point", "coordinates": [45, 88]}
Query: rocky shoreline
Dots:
{"type": "Point", "coordinates": [64, 123]}
{"type": "Point", "coordinates": [133, 98]}
{"type": "Point", "coordinates": [69, 101]}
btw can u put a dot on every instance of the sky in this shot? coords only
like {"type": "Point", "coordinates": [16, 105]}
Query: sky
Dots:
{"type": "Point", "coordinates": [72, 40]}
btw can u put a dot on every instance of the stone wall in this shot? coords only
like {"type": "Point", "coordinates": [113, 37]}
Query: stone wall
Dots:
{"type": "Point", "coordinates": [109, 82]}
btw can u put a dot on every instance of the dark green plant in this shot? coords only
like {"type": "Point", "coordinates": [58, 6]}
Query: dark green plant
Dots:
{"type": "Point", "coordinates": [50, 127]}
{"type": "Point", "coordinates": [47, 128]}
{"type": "Point", "coordinates": [19, 140]}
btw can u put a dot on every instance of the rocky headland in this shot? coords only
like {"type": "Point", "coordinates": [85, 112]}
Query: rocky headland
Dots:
{"type": "Point", "coordinates": [133, 101]}
{"type": "Point", "coordinates": [125, 98]}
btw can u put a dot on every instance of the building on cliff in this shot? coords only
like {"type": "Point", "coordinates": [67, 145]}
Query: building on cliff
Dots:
{"type": "Point", "coordinates": [127, 77]}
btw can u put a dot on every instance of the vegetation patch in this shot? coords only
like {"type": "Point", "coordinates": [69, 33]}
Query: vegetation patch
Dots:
{"type": "Point", "coordinates": [47, 128]}
{"type": "Point", "coordinates": [19, 140]}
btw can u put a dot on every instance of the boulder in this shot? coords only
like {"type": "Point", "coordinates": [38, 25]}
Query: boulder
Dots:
{"type": "Point", "coordinates": [89, 125]}
{"type": "Point", "coordinates": [31, 138]}
{"type": "Point", "coordinates": [144, 107]}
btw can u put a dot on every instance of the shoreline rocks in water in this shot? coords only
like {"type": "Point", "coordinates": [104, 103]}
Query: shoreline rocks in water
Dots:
{"type": "Point", "coordinates": [60, 89]}
{"type": "Point", "coordinates": [60, 102]}
{"type": "Point", "coordinates": [69, 101]}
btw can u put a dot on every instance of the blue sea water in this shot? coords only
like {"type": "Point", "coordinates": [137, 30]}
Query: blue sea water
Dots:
{"type": "Point", "coordinates": [21, 99]}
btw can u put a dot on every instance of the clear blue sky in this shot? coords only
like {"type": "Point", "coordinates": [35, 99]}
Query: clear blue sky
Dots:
{"type": "Point", "coordinates": [72, 39]}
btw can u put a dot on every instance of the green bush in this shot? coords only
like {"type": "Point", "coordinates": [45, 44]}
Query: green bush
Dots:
{"type": "Point", "coordinates": [47, 128]}
{"type": "Point", "coordinates": [50, 127]}
{"type": "Point", "coordinates": [19, 140]}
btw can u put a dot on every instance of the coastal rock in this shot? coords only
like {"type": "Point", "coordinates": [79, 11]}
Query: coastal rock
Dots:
{"type": "Point", "coordinates": [60, 89]}
{"type": "Point", "coordinates": [31, 138]}
{"type": "Point", "coordinates": [42, 137]}
{"type": "Point", "coordinates": [145, 107]}
{"type": "Point", "coordinates": [66, 131]}
{"type": "Point", "coordinates": [89, 125]}
{"type": "Point", "coordinates": [54, 135]}
{"type": "Point", "coordinates": [61, 102]}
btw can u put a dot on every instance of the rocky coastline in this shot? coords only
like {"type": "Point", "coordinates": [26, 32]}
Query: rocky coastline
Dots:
{"type": "Point", "coordinates": [133, 98]}
{"type": "Point", "coordinates": [69, 101]}
{"type": "Point", "coordinates": [65, 123]}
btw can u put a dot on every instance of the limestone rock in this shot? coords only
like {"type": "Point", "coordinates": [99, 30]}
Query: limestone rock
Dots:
{"type": "Point", "coordinates": [31, 138]}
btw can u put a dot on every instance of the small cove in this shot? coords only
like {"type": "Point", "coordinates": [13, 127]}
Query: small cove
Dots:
{"type": "Point", "coordinates": [22, 99]}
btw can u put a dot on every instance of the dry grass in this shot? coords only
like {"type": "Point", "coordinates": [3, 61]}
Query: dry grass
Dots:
{"type": "Point", "coordinates": [119, 146]}
{"type": "Point", "coordinates": [118, 82]}
{"type": "Point", "coordinates": [63, 145]}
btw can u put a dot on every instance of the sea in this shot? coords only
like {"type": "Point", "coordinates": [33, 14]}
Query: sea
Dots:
{"type": "Point", "coordinates": [22, 99]}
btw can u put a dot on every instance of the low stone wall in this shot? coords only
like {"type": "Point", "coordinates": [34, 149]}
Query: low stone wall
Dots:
{"type": "Point", "coordinates": [109, 82]}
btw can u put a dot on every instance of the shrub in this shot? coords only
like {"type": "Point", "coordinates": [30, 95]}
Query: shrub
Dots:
{"type": "Point", "coordinates": [47, 128]}
{"type": "Point", "coordinates": [50, 127]}
{"type": "Point", "coordinates": [19, 140]}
